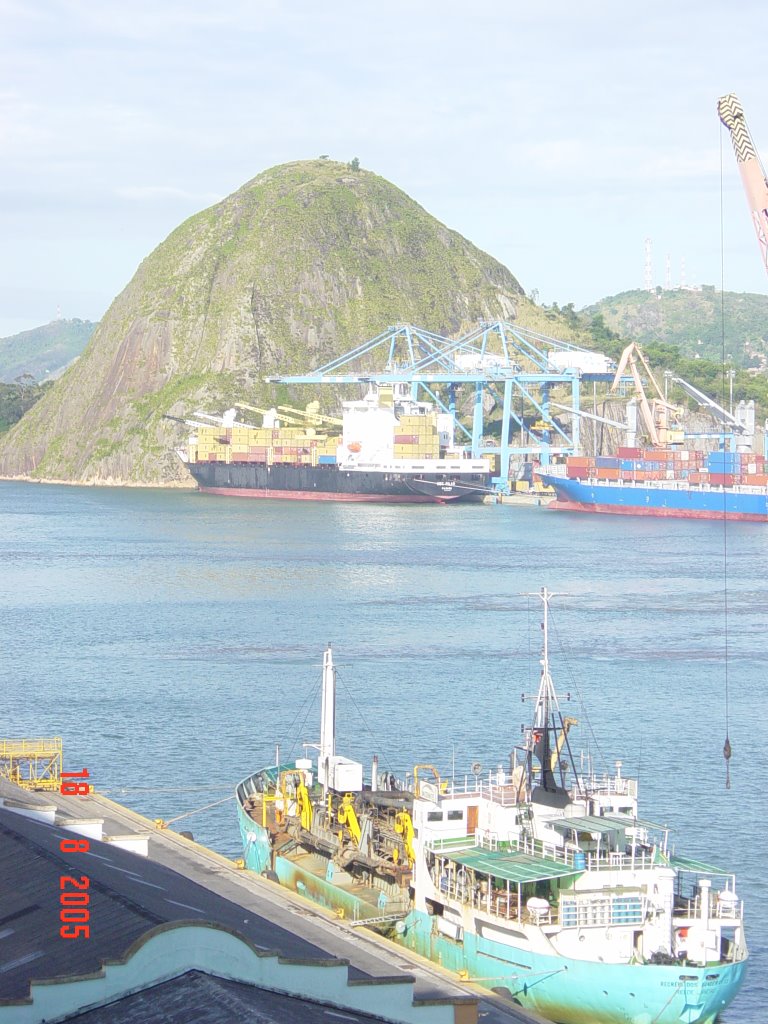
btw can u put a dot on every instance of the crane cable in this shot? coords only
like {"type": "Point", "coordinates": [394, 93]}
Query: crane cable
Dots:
{"type": "Point", "coordinates": [727, 749]}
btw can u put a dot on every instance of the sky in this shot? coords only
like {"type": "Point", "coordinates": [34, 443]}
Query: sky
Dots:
{"type": "Point", "coordinates": [556, 136]}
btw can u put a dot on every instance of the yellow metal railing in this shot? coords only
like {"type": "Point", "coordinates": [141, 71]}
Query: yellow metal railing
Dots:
{"type": "Point", "coordinates": [32, 763]}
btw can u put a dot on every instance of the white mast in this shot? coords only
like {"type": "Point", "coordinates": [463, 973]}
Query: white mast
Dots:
{"type": "Point", "coordinates": [327, 719]}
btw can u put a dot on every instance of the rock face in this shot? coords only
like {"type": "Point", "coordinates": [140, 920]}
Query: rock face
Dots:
{"type": "Point", "coordinates": [299, 265]}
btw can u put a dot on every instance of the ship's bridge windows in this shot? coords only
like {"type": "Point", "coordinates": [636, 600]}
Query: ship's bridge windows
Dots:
{"type": "Point", "coordinates": [434, 815]}
{"type": "Point", "coordinates": [457, 815]}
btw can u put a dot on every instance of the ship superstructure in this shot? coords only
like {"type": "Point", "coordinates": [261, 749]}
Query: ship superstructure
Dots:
{"type": "Point", "coordinates": [538, 878]}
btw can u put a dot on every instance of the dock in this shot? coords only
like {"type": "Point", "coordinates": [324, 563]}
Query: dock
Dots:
{"type": "Point", "coordinates": [158, 877]}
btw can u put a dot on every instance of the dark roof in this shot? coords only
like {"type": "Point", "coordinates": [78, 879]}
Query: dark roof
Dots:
{"type": "Point", "coordinates": [129, 895]}
{"type": "Point", "coordinates": [197, 998]}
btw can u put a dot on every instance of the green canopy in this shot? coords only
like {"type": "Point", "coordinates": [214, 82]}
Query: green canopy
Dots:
{"type": "Point", "coordinates": [590, 823]}
{"type": "Point", "coordinates": [689, 864]}
{"type": "Point", "coordinates": [510, 866]}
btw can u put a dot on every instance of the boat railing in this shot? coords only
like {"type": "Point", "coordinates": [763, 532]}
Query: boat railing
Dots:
{"type": "Point", "coordinates": [611, 786]}
{"type": "Point", "coordinates": [723, 906]}
{"type": "Point", "coordinates": [503, 793]}
{"type": "Point", "coordinates": [604, 860]}
{"type": "Point", "coordinates": [478, 896]}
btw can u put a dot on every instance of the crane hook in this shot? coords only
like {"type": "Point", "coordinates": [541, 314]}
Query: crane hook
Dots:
{"type": "Point", "coordinates": [727, 755]}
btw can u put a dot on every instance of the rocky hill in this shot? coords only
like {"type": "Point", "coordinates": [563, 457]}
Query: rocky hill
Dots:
{"type": "Point", "coordinates": [299, 265]}
{"type": "Point", "coordinates": [43, 352]}
{"type": "Point", "coordinates": [693, 322]}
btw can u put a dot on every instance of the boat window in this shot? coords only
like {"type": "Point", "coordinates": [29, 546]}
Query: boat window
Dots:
{"type": "Point", "coordinates": [455, 815]}
{"type": "Point", "coordinates": [434, 815]}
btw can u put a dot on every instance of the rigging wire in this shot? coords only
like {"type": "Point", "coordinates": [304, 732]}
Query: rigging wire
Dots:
{"type": "Point", "coordinates": [727, 750]}
{"type": "Point", "coordinates": [310, 701]}
{"type": "Point", "coordinates": [306, 703]}
{"type": "Point", "coordinates": [574, 684]}
{"type": "Point", "coordinates": [387, 760]}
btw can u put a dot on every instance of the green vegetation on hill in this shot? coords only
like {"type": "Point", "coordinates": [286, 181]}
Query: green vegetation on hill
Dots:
{"type": "Point", "coordinates": [301, 264]}
{"type": "Point", "coordinates": [44, 351]}
{"type": "Point", "coordinates": [693, 322]}
{"type": "Point", "coordinates": [709, 375]}
{"type": "Point", "coordinates": [18, 398]}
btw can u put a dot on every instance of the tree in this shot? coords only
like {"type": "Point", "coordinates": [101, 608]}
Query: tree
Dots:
{"type": "Point", "coordinates": [354, 164]}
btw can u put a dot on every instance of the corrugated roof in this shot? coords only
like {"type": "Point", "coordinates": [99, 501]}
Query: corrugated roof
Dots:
{"type": "Point", "coordinates": [690, 864]}
{"type": "Point", "coordinates": [642, 822]}
{"type": "Point", "coordinates": [511, 866]}
{"type": "Point", "coordinates": [590, 823]}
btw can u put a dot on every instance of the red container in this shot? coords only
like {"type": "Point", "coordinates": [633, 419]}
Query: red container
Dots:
{"type": "Point", "coordinates": [721, 479]}
{"type": "Point", "coordinates": [630, 453]}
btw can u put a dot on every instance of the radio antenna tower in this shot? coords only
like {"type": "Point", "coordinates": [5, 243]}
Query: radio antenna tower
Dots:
{"type": "Point", "coordinates": [668, 272]}
{"type": "Point", "coordinates": [648, 265]}
{"type": "Point", "coordinates": [682, 273]}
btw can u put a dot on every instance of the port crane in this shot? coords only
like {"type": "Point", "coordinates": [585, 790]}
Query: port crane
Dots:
{"type": "Point", "coordinates": [657, 412]}
{"type": "Point", "coordinates": [497, 365]}
{"type": "Point", "coordinates": [753, 176]}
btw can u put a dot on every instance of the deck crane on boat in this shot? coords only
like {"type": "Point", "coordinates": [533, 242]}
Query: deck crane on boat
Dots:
{"type": "Point", "coordinates": [753, 176]}
{"type": "Point", "coordinates": [311, 415]}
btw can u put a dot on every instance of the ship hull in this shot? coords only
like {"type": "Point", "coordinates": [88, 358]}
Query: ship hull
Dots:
{"type": "Point", "coordinates": [638, 500]}
{"type": "Point", "coordinates": [330, 483]}
{"type": "Point", "coordinates": [559, 988]}
{"type": "Point", "coordinates": [573, 991]}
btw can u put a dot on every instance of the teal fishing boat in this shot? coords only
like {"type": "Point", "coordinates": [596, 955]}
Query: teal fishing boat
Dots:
{"type": "Point", "coordinates": [538, 879]}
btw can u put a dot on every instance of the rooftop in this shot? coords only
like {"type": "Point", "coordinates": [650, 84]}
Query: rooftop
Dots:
{"type": "Point", "coordinates": [509, 865]}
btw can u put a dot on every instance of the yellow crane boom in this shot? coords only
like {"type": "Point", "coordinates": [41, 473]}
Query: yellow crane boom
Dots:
{"type": "Point", "coordinates": [656, 412]}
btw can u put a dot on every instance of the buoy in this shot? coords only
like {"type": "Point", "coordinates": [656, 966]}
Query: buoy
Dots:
{"type": "Point", "coordinates": [354, 446]}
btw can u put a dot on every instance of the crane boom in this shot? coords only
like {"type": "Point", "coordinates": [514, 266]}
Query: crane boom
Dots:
{"type": "Point", "coordinates": [655, 413]}
{"type": "Point", "coordinates": [750, 168]}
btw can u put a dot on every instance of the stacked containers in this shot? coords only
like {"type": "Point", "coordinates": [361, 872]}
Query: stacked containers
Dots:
{"type": "Point", "coordinates": [291, 445]}
{"type": "Point", "coordinates": [717, 469]}
{"type": "Point", "coordinates": [416, 437]}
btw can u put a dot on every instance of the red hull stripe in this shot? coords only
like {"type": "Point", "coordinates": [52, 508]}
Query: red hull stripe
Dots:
{"type": "Point", "coordinates": [389, 499]}
{"type": "Point", "coordinates": [663, 513]}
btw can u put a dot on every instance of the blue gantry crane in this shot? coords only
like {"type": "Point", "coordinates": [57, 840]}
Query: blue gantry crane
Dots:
{"type": "Point", "coordinates": [502, 365]}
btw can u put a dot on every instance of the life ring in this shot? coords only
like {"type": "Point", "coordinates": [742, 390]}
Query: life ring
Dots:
{"type": "Point", "coordinates": [354, 446]}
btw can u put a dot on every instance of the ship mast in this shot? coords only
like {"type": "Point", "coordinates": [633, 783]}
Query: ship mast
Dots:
{"type": "Point", "coordinates": [327, 719]}
{"type": "Point", "coordinates": [549, 731]}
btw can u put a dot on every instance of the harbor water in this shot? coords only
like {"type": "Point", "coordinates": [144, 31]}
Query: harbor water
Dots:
{"type": "Point", "coordinates": [172, 639]}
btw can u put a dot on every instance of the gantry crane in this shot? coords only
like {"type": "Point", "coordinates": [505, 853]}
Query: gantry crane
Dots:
{"type": "Point", "coordinates": [752, 172]}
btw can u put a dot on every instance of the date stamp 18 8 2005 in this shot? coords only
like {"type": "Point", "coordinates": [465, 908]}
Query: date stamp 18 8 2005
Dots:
{"type": "Point", "coordinates": [74, 893]}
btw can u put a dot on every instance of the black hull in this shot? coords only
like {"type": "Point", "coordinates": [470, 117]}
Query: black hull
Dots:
{"type": "Point", "coordinates": [329, 483]}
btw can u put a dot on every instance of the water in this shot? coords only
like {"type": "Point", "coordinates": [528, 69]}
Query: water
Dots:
{"type": "Point", "coordinates": [172, 638]}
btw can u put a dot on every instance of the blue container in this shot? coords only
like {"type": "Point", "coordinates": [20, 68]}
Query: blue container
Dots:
{"type": "Point", "coordinates": [579, 861]}
{"type": "Point", "coordinates": [326, 460]}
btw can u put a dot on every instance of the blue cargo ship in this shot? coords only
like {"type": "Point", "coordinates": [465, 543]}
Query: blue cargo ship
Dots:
{"type": "Point", "coordinates": [538, 879]}
{"type": "Point", "coordinates": [712, 486]}
{"type": "Point", "coordinates": [658, 498]}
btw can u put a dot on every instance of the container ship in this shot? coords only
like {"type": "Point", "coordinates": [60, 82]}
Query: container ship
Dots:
{"type": "Point", "coordinates": [383, 449]}
{"type": "Point", "coordinates": [663, 482]}
{"type": "Point", "coordinates": [537, 879]}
